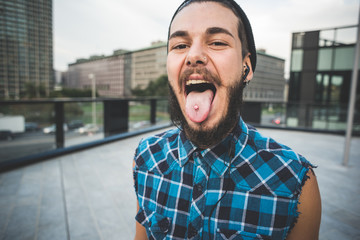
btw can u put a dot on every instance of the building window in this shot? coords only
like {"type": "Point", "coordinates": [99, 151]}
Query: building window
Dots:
{"type": "Point", "coordinates": [298, 40]}
{"type": "Point", "coordinates": [335, 91]}
{"type": "Point", "coordinates": [321, 91]}
{"type": "Point", "coordinates": [297, 60]}
{"type": "Point", "coordinates": [346, 35]}
{"type": "Point", "coordinates": [325, 59]}
{"type": "Point", "coordinates": [344, 58]}
{"type": "Point", "coordinates": [294, 87]}
{"type": "Point", "coordinates": [327, 38]}
{"type": "Point", "coordinates": [328, 88]}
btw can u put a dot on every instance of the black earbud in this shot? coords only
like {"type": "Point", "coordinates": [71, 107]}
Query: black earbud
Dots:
{"type": "Point", "coordinates": [247, 70]}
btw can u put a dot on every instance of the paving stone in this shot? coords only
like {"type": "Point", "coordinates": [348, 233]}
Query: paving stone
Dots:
{"type": "Point", "coordinates": [22, 223]}
{"type": "Point", "coordinates": [54, 215]}
{"type": "Point", "coordinates": [112, 225]}
{"type": "Point", "coordinates": [82, 225]}
{"type": "Point", "coordinates": [95, 187]}
{"type": "Point", "coordinates": [76, 200]}
{"type": "Point", "coordinates": [52, 231]}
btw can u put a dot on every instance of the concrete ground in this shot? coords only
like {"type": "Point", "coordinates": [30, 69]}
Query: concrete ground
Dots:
{"type": "Point", "coordinates": [89, 195]}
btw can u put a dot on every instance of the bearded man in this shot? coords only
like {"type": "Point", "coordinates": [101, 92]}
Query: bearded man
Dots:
{"type": "Point", "coordinates": [214, 176]}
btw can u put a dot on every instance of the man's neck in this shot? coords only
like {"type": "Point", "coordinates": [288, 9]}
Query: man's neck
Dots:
{"type": "Point", "coordinates": [208, 140]}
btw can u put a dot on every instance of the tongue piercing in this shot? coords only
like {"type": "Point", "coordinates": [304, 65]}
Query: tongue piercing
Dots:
{"type": "Point", "coordinates": [196, 107]}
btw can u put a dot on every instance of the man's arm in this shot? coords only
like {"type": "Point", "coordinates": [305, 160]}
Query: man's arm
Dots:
{"type": "Point", "coordinates": [140, 232]}
{"type": "Point", "coordinates": [308, 224]}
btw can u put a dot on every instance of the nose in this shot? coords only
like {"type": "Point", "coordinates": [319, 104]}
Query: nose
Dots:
{"type": "Point", "coordinates": [196, 56]}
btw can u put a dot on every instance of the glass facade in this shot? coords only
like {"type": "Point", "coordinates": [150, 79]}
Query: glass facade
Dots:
{"type": "Point", "coordinates": [26, 47]}
{"type": "Point", "coordinates": [324, 79]}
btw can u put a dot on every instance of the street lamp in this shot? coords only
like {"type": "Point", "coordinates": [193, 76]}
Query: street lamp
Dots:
{"type": "Point", "coordinates": [93, 95]}
{"type": "Point", "coordinates": [352, 100]}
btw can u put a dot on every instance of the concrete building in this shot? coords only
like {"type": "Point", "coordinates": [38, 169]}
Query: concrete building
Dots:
{"type": "Point", "coordinates": [26, 47]}
{"type": "Point", "coordinates": [268, 83]}
{"type": "Point", "coordinates": [117, 74]}
{"type": "Point", "coordinates": [320, 75]}
{"type": "Point", "coordinates": [108, 71]}
{"type": "Point", "coordinates": [148, 64]}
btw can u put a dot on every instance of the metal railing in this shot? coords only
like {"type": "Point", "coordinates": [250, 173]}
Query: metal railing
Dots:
{"type": "Point", "coordinates": [54, 127]}
{"type": "Point", "coordinates": [36, 130]}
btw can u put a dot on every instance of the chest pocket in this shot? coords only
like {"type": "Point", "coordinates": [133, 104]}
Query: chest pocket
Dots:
{"type": "Point", "coordinates": [225, 234]}
{"type": "Point", "coordinates": [156, 225]}
{"type": "Point", "coordinates": [254, 216]}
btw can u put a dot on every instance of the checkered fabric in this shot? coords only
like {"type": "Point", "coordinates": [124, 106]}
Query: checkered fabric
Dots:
{"type": "Point", "coordinates": [246, 187]}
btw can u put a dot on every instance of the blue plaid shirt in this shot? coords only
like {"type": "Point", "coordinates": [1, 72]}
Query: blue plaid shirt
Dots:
{"type": "Point", "coordinates": [246, 187]}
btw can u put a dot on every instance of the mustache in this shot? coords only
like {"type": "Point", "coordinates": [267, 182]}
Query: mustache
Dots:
{"type": "Point", "coordinates": [205, 73]}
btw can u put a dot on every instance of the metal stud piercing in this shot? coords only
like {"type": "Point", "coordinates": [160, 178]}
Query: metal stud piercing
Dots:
{"type": "Point", "coordinates": [205, 59]}
{"type": "Point", "coordinates": [196, 107]}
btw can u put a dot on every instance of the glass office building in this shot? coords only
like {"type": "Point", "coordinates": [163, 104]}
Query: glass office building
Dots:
{"type": "Point", "coordinates": [26, 47]}
{"type": "Point", "coordinates": [322, 62]}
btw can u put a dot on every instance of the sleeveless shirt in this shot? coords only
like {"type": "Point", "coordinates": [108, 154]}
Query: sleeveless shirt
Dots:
{"type": "Point", "coordinates": [245, 187]}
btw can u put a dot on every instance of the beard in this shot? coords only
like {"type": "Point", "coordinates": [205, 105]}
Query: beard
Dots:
{"type": "Point", "coordinates": [205, 138]}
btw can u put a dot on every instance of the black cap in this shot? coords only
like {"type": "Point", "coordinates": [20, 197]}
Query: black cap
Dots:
{"type": "Point", "coordinates": [240, 13]}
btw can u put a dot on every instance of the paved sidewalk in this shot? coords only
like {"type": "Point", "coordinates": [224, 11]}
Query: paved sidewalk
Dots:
{"type": "Point", "coordinates": [89, 195]}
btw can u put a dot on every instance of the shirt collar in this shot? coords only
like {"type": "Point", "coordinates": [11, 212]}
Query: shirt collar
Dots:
{"type": "Point", "coordinates": [185, 147]}
{"type": "Point", "coordinates": [218, 156]}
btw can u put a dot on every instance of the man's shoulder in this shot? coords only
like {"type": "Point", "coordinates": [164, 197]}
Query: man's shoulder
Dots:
{"type": "Point", "coordinates": [264, 144]}
{"type": "Point", "coordinates": [285, 168]}
{"type": "Point", "coordinates": [159, 139]}
{"type": "Point", "coordinates": [153, 152]}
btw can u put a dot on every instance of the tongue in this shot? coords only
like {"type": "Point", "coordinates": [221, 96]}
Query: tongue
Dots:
{"type": "Point", "coordinates": [198, 104]}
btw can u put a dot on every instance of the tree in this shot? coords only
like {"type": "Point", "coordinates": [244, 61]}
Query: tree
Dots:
{"type": "Point", "coordinates": [159, 87]}
{"type": "Point", "coordinates": [32, 90]}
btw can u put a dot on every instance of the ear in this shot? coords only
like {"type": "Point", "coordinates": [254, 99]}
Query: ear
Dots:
{"type": "Point", "coordinates": [247, 62]}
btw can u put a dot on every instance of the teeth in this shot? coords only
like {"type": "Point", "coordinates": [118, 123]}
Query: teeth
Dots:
{"type": "Point", "coordinates": [190, 82]}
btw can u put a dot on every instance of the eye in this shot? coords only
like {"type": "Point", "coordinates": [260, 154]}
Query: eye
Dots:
{"type": "Point", "coordinates": [218, 43]}
{"type": "Point", "coordinates": [180, 46]}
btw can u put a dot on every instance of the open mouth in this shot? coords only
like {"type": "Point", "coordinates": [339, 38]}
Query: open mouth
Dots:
{"type": "Point", "coordinates": [199, 95]}
{"type": "Point", "coordinates": [199, 86]}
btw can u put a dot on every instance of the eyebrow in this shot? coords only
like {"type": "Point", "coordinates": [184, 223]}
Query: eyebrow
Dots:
{"type": "Point", "coordinates": [217, 30]}
{"type": "Point", "coordinates": [179, 34]}
{"type": "Point", "coordinates": [209, 31]}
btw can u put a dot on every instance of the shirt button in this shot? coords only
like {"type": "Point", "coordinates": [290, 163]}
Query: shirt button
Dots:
{"type": "Point", "coordinates": [192, 232]}
{"type": "Point", "coordinates": [164, 225]}
{"type": "Point", "coordinates": [199, 187]}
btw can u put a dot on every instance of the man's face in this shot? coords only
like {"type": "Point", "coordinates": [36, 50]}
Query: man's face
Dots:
{"type": "Point", "coordinates": [204, 63]}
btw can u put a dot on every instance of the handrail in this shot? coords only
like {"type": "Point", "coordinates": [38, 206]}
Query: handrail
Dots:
{"type": "Point", "coordinates": [116, 121]}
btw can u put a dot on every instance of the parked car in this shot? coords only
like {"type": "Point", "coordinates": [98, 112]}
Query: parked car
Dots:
{"type": "Point", "coordinates": [88, 128]}
{"type": "Point", "coordinates": [31, 127]}
{"type": "Point", "coordinates": [52, 129]}
{"type": "Point", "coordinates": [75, 124]}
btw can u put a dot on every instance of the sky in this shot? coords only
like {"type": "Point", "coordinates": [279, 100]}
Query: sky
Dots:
{"type": "Point", "coordinates": [83, 28]}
